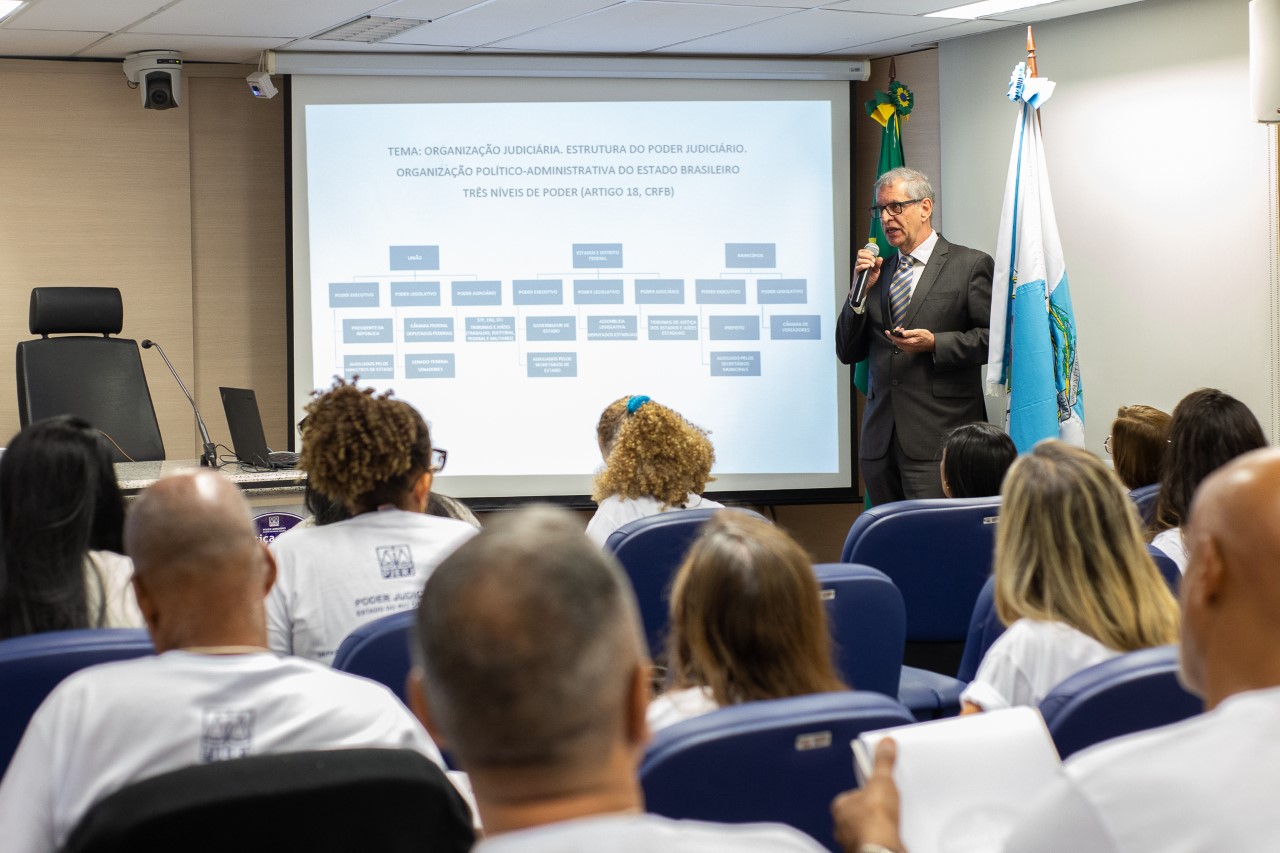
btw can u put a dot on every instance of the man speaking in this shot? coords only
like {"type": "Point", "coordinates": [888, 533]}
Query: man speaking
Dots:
{"type": "Point", "coordinates": [922, 319]}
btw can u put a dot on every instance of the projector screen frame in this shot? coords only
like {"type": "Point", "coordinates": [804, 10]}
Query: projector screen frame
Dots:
{"type": "Point", "coordinates": [763, 496]}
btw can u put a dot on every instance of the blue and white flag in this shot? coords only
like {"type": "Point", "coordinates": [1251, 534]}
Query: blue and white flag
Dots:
{"type": "Point", "coordinates": [1033, 329]}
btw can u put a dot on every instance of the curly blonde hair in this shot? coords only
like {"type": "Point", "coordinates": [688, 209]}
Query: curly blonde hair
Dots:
{"type": "Point", "coordinates": [655, 453]}
{"type": "Point", "coordinates": [362, 448]}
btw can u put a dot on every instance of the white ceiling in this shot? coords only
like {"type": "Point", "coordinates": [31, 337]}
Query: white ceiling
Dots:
{"type": "Point", "coordinates": [236, 30]}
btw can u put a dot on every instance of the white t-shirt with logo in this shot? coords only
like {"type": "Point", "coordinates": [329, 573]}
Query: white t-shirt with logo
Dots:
{"type": "Point", "coordinates": [110, 725]}
{"type": "Point", "coordinates": [332, 579]}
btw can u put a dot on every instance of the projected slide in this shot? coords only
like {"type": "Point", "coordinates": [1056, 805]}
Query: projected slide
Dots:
{"type": "Point", "coordinates": [512, 268]}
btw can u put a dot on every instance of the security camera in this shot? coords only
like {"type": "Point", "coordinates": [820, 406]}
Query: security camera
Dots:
{"type": "Point", "coordinates": [260, 84]}
{"type": "Point", "coordinates": [158, 74]}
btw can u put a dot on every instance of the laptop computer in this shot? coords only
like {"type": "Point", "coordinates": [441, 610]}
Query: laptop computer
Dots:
{"type": "Point", "coordinates": [247, 438]}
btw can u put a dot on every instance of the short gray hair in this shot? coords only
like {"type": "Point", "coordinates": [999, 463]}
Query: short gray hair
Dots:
{"type": "Point", "coordinates": [529, 639]}
{"type": "Point", "coordinates": [913, 181]}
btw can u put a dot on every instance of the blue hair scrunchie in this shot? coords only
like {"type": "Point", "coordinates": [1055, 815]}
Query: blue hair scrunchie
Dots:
{"type": "Point", "coordinates": [635, 403]}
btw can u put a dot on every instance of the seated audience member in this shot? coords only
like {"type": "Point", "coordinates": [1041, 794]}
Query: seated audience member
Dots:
{"type": "Point", "coordinates": [655, 461]}
{"type": "Point", "coordinates": [747, 622]}
{"type": "Point", "coordinates": [1208, 430]}
{"type": "Point", "coordinates": [374, 454]}
{"type": "Point", "coordinates": [213, 691]}
{"type": "Point", "coordinates": [1074, 581]}
{"type": "Point", "coordinates": [532, 671]}
{"type": "Point", "coordinates": [1138, 444]}
{"type": "Point", "coordinates": [61, 521]}
{"type": "Point", "coordinates": [447, 507]}
{"type": "Point", "coordinates": [1202, 785]}
{"type": "Point", "coordinates": [321, 510]}
{"type": "Point", "coordinates": [975, 458]}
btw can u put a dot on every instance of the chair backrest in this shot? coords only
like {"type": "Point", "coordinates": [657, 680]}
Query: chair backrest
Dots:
{"type": "Point", "coordinates": [650, 550]}
{"type": "Point", "coordinates": [984, 628]}
{"type": "Point", "coordinates": [937, 552]}
{"type": "Point", "coordinates": [1168, 568]}
{"type": "Point", "coordinates": [379, 650]}
{"type": "Point", "coordinates": [87, 373]}
{"type": "Point", "coordinates": [345, 799]}
{"type": "Point", "coordinates": [868, 625]}
{"type": "Point", "coordinates": [780, 760]}
{"type": "Point", "coordinates": [1129, 693]}
{"type": "Point", "coordinates": [31, 666]}
{"type": "Point", "coordinates": [1144, 497]}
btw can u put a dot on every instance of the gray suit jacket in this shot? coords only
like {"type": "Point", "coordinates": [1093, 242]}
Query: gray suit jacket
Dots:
{"type": "Point", "coordinates": [923, 395]}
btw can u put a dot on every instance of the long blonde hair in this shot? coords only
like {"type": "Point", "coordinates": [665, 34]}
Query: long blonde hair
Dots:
{"type": "Point", "coordinates": [1070, 549]}
{"type": "Point", "coordinates": [747, 619]}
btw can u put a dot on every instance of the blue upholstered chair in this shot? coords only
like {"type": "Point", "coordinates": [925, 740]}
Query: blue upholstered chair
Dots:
{"type": "Point", "coordinates": [650, 550]}
{"type": "Point", "coordinates": [85, 371]}
{"type": "Point", "coordinates": [1126, 694]}
{"type": "Point", "coordinates": [868, 625]}
{"type": "Point", "coordinates": [379, 651]}
{"type": "Point", "coordinates": [31, 666]}
{"type": "Point", "coordinates": [984, 628]}
{"type": "Point", "coordinates": [780, 760]}
{"type": "Point", "coordinates": [939, 554]}
{"type": "Point", "coordinates": [1144, 497]}
{"type": "Point", "coordinates": [1168, 568]}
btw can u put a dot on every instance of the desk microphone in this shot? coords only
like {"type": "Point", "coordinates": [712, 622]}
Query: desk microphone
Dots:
{"type": "Point", "coordinates": [210, 457]}
{"type": "Point", "coordinates": [858, 297]}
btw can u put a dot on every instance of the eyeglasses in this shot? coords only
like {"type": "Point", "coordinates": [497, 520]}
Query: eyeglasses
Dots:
{"type": "Point", "coordinates": [1106, 445]}
{"type": "Point", "coordinates": [439, 456]}
{"type": "Point", "coordinates": [894, 207]}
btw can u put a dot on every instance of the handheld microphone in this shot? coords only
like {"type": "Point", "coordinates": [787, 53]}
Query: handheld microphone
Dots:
{"type": "Point", "coordinates": [858, 298]}
{"type": "Point", "coordinates": [210, 457]}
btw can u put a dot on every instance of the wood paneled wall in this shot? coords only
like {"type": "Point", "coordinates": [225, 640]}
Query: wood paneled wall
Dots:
{"type": "Point", "coordinates": [182, 209]}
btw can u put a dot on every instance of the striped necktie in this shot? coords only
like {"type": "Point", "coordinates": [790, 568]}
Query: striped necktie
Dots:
{"type": "Point", "coordinates": [900, 291]}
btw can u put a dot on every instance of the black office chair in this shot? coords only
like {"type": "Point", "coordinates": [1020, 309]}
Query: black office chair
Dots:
{"type": "Point", "coordinates": [389, 800]}
{"type": "Point", "coordinates": [87, 372]}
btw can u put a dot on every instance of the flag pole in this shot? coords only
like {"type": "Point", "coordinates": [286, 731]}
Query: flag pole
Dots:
{"type": "Point", "coordinates": [1031, 54]}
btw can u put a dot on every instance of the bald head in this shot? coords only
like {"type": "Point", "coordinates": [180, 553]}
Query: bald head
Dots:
{"type": "Point", "coordinates": [1231, 590]}
{"type": "Point", "coordinates": [200, 571]}
{"type": "Point", "coordinates": [528, 638]}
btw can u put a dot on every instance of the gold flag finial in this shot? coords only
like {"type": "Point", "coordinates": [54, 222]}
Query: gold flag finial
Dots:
{"type": "Point", "coordinates": [1032, 71]}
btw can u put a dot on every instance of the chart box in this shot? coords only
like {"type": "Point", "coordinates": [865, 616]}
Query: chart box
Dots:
{"type": "Point", "coordinates": [537, 292]}
{"type": "Point", "coordinates": [369, 366]}
{"type": "Point", "coordinates": [362, 331]}
{"type": "Point", "coordinates": [485, 330]}
{"type": "Point", "coordinates": [795, 327]}
{"type": "Point", "coordinates": [415, 294]}
{"type": "Point", "coordinates": [428, 330]}
{"type": "Point", "coordinates": [733, 328]}
{"type": "Point", "coordinates": [558, 365]}
{"type": "Point", "coordinates": [612, 329]}
{"type": "Point", "coordinates": [782, 291]}
{"type": "Point", "coordinates": [660, 291]}
{"type": "Point", "coordinates": [597, 256]}
{"type": "Point", "coordinates": [353, 294]}
{"type": "Point", "coordinates": [550, 328]}
{"type": "Point", "coordinates": [750, 255]}
{"type": "Point", "coordinates": [720, 291]}
{"type": "Point", "coordinates": [735, 364]}
{"type": "Point", "coordinates": [673, 328]}
{"type": "Point", "coordinates": [415, 257]}
{"type": "Point", "coordinates": [476, 292]}
{"type": "Point", "coordinates": [598, 291]}
{"type": "Point", "coordinates": [430, 366]}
